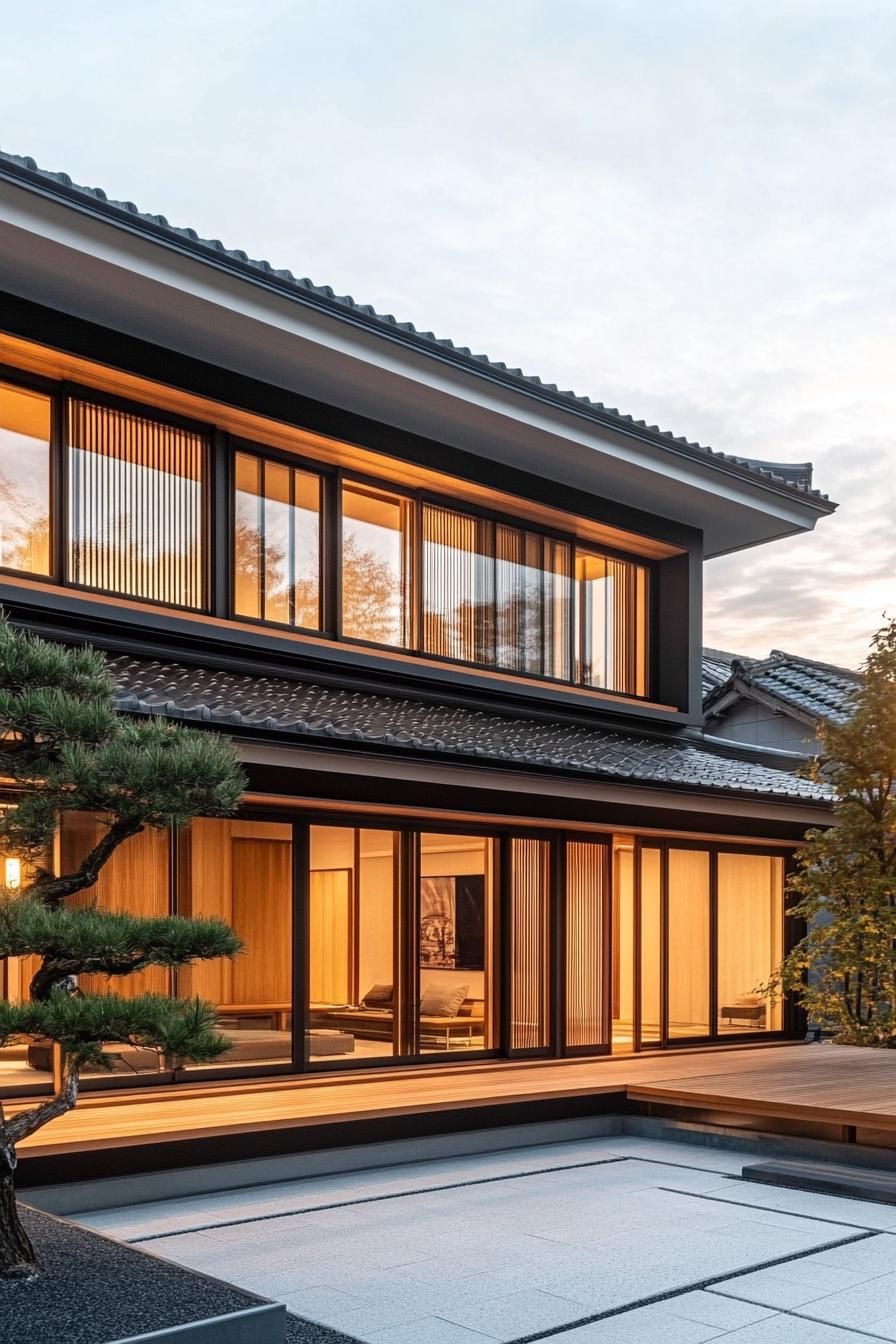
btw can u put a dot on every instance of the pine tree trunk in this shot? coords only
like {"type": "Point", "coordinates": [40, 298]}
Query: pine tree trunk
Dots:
{"type": "Point", "coordinates": [18, 1259]}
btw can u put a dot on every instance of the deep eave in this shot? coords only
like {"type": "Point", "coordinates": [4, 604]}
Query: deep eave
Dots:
{"type": "Point", "coordinates": [789, 482]}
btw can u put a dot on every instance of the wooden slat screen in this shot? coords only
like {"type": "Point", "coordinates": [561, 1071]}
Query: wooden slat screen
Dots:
{"type": "Point", "coordinates": [530, 939]}
{"type": "Point", "coordinates": [136, 505]}
{"type": "Point", "coordinates": [587, 887]}
{"type": "Point", "coordinates": [614, 625]}
{"type": "Point", "coordinates": [458, 585]}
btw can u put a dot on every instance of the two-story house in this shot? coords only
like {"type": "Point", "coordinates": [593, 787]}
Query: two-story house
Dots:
{"type": "Point", "coordinates": [450, 614]}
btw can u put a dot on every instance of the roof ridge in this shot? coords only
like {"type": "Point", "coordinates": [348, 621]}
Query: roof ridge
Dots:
{"type": "Point", "coordinates": [779, 655]}
{"type": "Point", "coordinates": [793, 476]}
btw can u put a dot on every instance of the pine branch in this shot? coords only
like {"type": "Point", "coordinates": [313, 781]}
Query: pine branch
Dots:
{"type": "Point", "coordinates": [53, 890]}
{"type": "Point", "coordinates": [82, 1025]}
{"type": "Point", "coordinates": [25, 1123]}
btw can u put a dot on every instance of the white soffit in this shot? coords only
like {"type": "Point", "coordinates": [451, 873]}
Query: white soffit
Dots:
{"type": "Point", "coordinates": [64, 257]}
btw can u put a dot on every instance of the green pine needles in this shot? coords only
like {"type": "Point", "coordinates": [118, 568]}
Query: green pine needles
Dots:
{"type": "Point", "coordinates": [64, 747]}
{"type": "Point", "coordinates": [844, 970]}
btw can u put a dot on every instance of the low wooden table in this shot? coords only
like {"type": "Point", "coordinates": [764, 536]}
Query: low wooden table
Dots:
{"type": "Point", "coordinates": [747, 1012]}
{"type": "Point", "coordinates": [277, 1013]}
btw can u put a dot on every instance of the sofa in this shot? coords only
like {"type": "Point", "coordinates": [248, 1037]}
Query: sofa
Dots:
{"type": "Point", "coordinates": [375, 1023]}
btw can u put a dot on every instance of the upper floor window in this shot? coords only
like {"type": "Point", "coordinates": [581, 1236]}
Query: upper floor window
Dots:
{"type": "Point", "coordinates": [24, 480]}
{"type": "Point", "coordinates": [276, 542]}
{"type": "Point", "coordinates": [376, 565]}
{"type": "Point", "coordinates": [136, 505]}
{"type": "Point", "coordinates": [612, 623]}
{"type": "Point", "coordinates": [495, 594]}
{"type": "Point", "coordinates": [117, 500]}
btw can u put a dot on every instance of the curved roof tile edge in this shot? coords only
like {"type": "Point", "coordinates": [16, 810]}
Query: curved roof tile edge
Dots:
{"type": "Point", "coordinates": [795, 478]}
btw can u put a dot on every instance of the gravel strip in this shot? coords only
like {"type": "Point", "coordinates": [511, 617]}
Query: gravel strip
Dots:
{"type": "Point", "coordinates": [94, 1290]}
{"type": "Point", "coordinates": [299, 1331]}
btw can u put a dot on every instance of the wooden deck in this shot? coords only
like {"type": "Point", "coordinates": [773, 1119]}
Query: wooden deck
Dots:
{"type": "Point", "coordinates": [829, 1091]}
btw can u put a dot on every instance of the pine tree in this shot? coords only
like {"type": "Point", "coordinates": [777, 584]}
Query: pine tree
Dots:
{"type": "Point", "coordinates": [65, 748]}
{"type": "Point", "coordinates": [844, 970]}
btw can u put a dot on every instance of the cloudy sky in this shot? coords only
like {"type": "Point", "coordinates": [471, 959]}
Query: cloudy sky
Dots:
{"type": "Point", "coordinates": [684, 208]}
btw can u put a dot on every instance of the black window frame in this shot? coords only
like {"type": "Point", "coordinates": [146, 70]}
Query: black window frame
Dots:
{"type": "Point", "coordinates": [218, 516]}
{"type": "Point", "coordinates": [251, 448]}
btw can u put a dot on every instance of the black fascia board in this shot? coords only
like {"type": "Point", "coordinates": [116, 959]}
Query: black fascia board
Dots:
{"type": "Point", "coordinates": [130, 354]}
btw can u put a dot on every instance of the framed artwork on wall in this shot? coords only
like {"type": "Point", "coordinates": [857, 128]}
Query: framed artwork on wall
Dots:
{"type": "Point", "coordinates": [452, 923]}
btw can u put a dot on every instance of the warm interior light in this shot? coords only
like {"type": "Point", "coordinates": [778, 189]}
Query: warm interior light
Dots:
{"type": "Point", "coordinates": [13, 873]}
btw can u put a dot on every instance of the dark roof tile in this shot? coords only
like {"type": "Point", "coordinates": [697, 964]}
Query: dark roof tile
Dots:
{"type": "Point", "coordinates": [309, 710]}
{"type": "Point", "coordinates": [822, 690]}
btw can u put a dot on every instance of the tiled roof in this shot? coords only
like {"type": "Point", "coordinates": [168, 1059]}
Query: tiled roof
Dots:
{"type": "Point", "coordinates": [310, 711]}
{"type": "Point", "coordinates": [716, 668]}
{"type": "Point", "coordinates": [821, 690]}
{"type": "Point", "coordinates": [792, 476]}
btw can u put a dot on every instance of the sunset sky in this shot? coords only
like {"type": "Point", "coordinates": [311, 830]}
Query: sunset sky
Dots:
{"type": "Point", "coordinates": [686, 210]}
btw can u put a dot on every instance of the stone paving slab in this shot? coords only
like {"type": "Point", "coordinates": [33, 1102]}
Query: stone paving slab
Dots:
{"type": "Point", "coordinates": [660, 1239]}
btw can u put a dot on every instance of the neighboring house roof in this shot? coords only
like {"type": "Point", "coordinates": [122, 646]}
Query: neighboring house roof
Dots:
{"type": "Point", "coordinates": [312, 712]}
{"type": "Point", "coordinates": [802, 687]}
{"type": "Point", "coordinates": [794, 477]}
{"type": "Point", "coordinates": [717, 668]}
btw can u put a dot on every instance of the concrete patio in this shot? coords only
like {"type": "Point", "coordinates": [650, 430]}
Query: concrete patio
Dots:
{"type": "Point", "coordinates": [599, 1241]}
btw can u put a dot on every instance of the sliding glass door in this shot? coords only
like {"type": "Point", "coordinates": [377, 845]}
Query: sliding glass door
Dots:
{"type": "Point", "coordinates": [750, 941]}
{"type": "Point", "coordinates": [355, 987]}
{"type": "Point", "coordinates": [402, 947]}
{"type": "Point", "coordinates": [456, 945]}
{"type": "Point", "coordinates": [710, 932]}
{"type": "Point", "coordinates": [687, 943]}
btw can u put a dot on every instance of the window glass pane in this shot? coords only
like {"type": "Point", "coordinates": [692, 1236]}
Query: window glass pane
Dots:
{"type": "Point", "coordinates": [24, 480]}
{"type": "Point", "coordinates": [612, 623]}
{"type": "Point", "coordinates": [456, 944]}
{"type": "Point", "coordinates": [276, 543]}
{"type": "Point", "coordinates": [623, 943]}
{"type": "Point", "coordinates": [354, 1004]}
{"type": "Point", "coordinates": [688, 955]}
{"type": "Point", "coordinates": [751, 932]}
{"type": "Point", "coordinates": [587, 892]}
{"type": "Point", "coordinates": [532, 587]}
{"type": "Point", "coordinates": [136, 505]}
{"type": "Point", "coordinates": [458, 585]}
{"type": "Point", "coordinates": [651, 945]}
{"type": "Point", "coordinates": [530, 940]}
{"type": "Point", "coordinates": [376, 563]}
{"type": "Point", "coordinates": [241, 872]}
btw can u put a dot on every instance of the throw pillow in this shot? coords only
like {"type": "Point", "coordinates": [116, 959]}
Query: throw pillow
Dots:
{"type": "Point", "coordinates": [437, 1002]}
{"type": "Point", "coordinates": [380, 996]}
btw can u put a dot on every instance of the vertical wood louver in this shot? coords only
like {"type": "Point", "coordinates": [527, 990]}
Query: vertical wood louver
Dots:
{"type": "Point", "coordinates": [530, 910]}
{"type": "Point", "coordinates": [612, 614]}
{"type": "Point", "coordinates": [458, 585]}
{"type": "Point", "coordinates": [136, 505]}
{"type": "Point", "coordinates": [495, 594]}
{"type": "Point", "coordinates": [587, 894]}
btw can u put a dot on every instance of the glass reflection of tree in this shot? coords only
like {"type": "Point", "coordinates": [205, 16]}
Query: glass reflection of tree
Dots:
{"type": "Point", "coordinates": [373, 596]}
{"type": "Point", "coordinates": [24, 529]}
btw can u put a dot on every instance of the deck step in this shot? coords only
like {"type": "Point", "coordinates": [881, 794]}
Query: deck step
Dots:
{"type": "Point", "coordinates": [826, 1178]}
